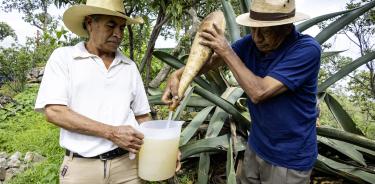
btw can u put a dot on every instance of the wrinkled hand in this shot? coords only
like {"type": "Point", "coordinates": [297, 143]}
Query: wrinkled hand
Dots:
{"type": "Point", "coordinates": [128, 138]}
{"type": "Point", "coordinates": [215, 39]}
{"type": "Point", "coordinates": [170, 95]}
{"type": "Point", "coordinates": [178, 162]}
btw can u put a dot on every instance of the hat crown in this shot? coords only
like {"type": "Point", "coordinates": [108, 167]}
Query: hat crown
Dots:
{"type": "Point", "coordinates": [114, 5]}
{"type": "Point", "coordinates": [273, 6]}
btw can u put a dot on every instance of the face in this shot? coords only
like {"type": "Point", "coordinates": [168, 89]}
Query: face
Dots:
{"type": "Point", "coordinates": [268, 39]}
{"type": "Point", "coordinates": [106, 32]}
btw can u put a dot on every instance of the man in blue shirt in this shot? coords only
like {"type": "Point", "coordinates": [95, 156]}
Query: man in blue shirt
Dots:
{"type": "Point", "coordinates": [277, 67]}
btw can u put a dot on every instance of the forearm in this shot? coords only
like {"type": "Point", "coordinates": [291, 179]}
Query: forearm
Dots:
{"type": "Point", "coordinates": [143, 118]}
{"type": "Point", "coordinates": [253, 85]}
{"type": "Point", "coordinates": [65, 118]}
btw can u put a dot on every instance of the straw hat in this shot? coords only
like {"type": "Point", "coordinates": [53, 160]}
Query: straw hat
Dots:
{"type": "Point", "coordinates": [264, 13]}
{"type": "Point", "coordinates": [74, 16]}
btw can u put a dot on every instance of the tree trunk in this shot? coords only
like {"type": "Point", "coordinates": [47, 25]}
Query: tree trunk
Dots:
{"type": "Point", "coordinates": [163, 73]}
{"type": "Point", "coordinates": [131, 42]}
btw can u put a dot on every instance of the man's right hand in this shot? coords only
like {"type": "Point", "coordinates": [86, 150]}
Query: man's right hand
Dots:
{"type": "Point", "coordinates": [170, 95]}
{"type": "Point", "coordinates": [127, 137]}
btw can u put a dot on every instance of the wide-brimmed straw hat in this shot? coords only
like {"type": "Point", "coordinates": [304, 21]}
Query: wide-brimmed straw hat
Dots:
{"type": "Point", "coordinates": [74, 16]}
{"type": "Point", "coordinates": [264, 13]}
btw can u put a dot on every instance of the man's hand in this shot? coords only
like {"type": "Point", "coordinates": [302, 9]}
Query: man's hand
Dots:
{"type": "Point", "coordinates": [170, 95]}
{"type": "Point", "coordinates": [215, 39]}
{"type": "Point", "coordinates": [178, 164]}
{"type": "Point", "coordinates": [128, 138]}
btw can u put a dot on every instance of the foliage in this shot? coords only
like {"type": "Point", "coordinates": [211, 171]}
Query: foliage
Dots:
{"type": "Point", "coordinates": [5, 31]}
{"type": "Point", "coordinates": [21, 129]}
{"type": "Point", "coordinates": [35, 11]}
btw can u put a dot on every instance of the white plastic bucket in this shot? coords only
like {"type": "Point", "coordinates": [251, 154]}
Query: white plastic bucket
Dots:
{"type": "Point", "coordinates": [158, 155]}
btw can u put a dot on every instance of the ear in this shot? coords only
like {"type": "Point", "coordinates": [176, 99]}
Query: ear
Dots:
{"type": "Point", "coordinates": [88, 23]}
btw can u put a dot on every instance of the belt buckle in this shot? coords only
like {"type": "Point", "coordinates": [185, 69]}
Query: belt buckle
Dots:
{"type": "Point", "coordinates": [103, 158]}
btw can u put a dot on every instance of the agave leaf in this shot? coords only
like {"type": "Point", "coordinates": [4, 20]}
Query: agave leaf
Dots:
{"type": "Point", "coordinates": [195, 101]}
{"type": "Point", "coordinates": [183, 104]}
{"type": "Point", "coordinates": [346, 137]}
{"type": "Point", "coordinates": [312, 22]}
{"type": "Point", "coordinates": [366, 152]}
{"type": "Point", "coordinates": [322, 167]}
{"type": "Point", "coordinates": [193, 126]}
{"type": "Point", "coordinates": [231, 174]}
{"type": "Point", "coordinates": [343, 21]}
{"type": "Point", "coordinates": [204, 167]}
{"type": "Point", "coordinates": [217, 120]}
{"type": "Point", "coordinates": [244, 123]}
{"type": "Point", "coordinates": [215, 79]}
{"type": "Point", "coordinates": [341, 116]}
{"type": "Point", "coordinates": [176, 63]}
{"type": "Point", "coordinates": [230, 18]}
{"type": "Point", "coordinates": [346, 70]}
{"type": "Point", "coordinates": [330, 54]}
{"type": "Point", "coordinates": [244, 5]}
{"type": "Point", "coordinates": [344, 148]}
{"type": "Point", "coordinates": [214, 144]}
{"type": "Point", "coordinates": [348, 169]}
{"type": "Point", "coordinates": [215, 125]}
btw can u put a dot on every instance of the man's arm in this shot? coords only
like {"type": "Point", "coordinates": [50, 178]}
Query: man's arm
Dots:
{"type": "Point", "coordinates": [257, 88]}
{"type": "Point", "coordinates": [143, 118]}
{"type": "Point", "coordinates": [125, 137]}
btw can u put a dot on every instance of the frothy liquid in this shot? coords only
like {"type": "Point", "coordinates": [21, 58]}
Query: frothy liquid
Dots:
{"type": "Point", "coordinates": [157, 159]}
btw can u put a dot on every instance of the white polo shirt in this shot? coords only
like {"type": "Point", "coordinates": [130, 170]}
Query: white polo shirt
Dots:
{"type": "Point", "coordinates": [80, 80]}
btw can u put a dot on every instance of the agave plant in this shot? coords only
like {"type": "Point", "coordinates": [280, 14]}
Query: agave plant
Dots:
{"type": "Point", "coordinates": [342, 152]}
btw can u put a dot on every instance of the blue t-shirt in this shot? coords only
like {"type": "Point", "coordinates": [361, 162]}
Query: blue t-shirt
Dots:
{"type": "Point", "coordinates": [283, 128]}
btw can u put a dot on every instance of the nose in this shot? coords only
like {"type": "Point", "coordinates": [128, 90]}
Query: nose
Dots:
{"type": "Point", "coordinates": [117, 32]}
{"type": "Point", "coordinates": [257, 36]}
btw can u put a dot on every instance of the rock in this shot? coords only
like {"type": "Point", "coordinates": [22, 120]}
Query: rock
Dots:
{"type": "Point", "coordinates": [33, 157]}
{"type": "Point", "coordinates": [2, 173]}
{"type": "Point", "coordinates": [3, 155]}
{"type": "Point", "coordinates": [3, 162]}
{"type": "Point", "coordinates": [35, 75]}
{"type": "Point", "coordinates": [14, 163]}
{"type": "Point", "coordinates": [15, 156]}
{"type": "Point", "coordinates": [10, 173]}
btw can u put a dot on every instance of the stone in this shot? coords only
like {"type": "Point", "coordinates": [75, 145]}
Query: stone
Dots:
{"type": "Point", "coordinates": [38, 158]}
{"type": "Point", "coordinates": [15, 156]}
{"type": "Point", "coordinates": [2, 173]}
{"type": "Point", "coordinates": [14, 163]}
{"type": "Point", "coordinates": [29, 156]}
{"type": "Point", "coordinates": [3, 162]}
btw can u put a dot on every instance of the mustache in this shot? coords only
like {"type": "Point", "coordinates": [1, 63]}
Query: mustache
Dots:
{"type": "Point", "coordinates": [114, 40]}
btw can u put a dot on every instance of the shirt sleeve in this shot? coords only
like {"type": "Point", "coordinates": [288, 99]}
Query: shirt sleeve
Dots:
{"type": "Point", "coordinates": [140, 103]}
{"type": "Point", "coordinates": [54, 86]}
{"type": "Point", "coordinates": [301, 64]}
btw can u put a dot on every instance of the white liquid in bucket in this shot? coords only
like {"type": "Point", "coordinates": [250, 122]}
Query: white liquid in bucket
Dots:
{"type": "Point", "coordinates": [158, 159]}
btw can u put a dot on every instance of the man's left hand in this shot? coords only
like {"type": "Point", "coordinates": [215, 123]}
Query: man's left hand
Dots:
{"type": "Point", "coordinates": [215, 39]}
{"type": "Point", "coordinates": [178, 164]}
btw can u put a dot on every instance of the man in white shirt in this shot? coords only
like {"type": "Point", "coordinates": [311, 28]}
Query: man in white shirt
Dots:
{"type": "Point", "coordinates": [96, 95]}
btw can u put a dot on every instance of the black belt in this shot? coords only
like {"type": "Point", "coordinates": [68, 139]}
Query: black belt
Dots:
{"type": "Point", "coordinates": [104, 156]}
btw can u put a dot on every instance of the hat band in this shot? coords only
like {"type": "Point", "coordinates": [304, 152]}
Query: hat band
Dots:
{"type": "Point", "coordinates": [271, 16]}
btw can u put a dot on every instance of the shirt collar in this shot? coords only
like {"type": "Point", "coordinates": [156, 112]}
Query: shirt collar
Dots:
{"type": "Point", "coordinates": [80, 52]}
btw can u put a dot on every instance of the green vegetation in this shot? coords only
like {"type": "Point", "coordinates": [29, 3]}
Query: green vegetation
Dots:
{"type": "Point", "coordinates": [22, 129]}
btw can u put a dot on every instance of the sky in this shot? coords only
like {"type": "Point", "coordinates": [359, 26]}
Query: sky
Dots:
{"type": "Point", "coordinates": [313, 8]}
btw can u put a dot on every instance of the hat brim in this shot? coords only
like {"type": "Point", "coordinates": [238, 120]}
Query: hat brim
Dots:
{"type": "Point", "coordinates": [245, 20]}
{"type": "Point", "coordinates": [74, 16]}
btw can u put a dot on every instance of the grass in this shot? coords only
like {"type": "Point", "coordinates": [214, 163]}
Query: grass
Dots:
{"type": "Point", "coordinates": [25, 130]}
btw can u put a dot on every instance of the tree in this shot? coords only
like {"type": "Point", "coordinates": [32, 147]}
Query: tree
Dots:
{"type": "Point", "coordinates": [5, 31]}
{"type": "Point", "coordinates": [34, 12]}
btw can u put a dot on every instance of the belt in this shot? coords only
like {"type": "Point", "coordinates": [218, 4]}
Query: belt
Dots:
{"type": "Point", "coordinates": [104, 156]}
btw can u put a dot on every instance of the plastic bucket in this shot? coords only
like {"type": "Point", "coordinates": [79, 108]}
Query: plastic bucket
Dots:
{"type": "Point", "coordinates": [158, 154]}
